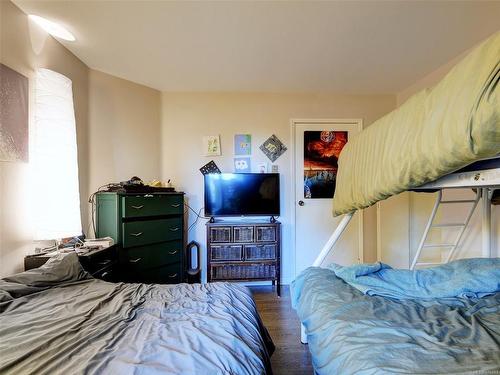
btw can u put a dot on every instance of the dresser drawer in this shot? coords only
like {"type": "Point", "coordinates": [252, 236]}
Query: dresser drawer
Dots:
{"type": "Point", "coordinates": [144, 232]}
{"type": "Point", "coordinates": [144, 257]}
{"type": "Point", "coordinates": [152, 205]}
{"type": "Point", "coordinates": [170, 274]}
{"type": "Point", "coordinates": [220, 253]}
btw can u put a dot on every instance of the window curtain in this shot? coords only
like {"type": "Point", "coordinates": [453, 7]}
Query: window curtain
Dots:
{"type": "Point", "coordinates": [56, 210]}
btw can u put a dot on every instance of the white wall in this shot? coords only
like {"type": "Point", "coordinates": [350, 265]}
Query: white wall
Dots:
{"type": "Point", "coordinates": [186, 117]}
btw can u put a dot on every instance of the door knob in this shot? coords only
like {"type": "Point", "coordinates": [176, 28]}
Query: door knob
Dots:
{"type": "Point", "coordinates": [301, 203]}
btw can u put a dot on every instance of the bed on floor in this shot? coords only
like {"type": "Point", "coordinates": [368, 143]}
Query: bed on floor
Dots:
{"type": "Point", "coordinates": [57, 319]}
{"type": "Point", "coordinates": [371, 319]}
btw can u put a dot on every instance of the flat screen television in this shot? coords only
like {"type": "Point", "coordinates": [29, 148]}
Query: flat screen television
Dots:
{"type": "Point", "coordinates": [242, 194]}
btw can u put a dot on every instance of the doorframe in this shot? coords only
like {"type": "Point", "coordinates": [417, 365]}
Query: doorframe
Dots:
{"type": "Point", "coordinates": [293, 206]}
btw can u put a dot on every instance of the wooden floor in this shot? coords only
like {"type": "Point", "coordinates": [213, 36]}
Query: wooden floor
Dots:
{"type": "Point", "coordinates": [291, 357]}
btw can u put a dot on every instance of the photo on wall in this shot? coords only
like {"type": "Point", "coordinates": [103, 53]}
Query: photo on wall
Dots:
{"type": "Point", "coordinates": [321, 153]}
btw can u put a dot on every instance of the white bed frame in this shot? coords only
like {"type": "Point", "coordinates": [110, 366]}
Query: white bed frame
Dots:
{"type": "Point", "coordinates": [484, 180]}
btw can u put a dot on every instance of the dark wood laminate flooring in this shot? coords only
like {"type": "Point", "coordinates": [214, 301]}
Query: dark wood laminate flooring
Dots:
{"type": "Point", "coordinates": [291, 356]}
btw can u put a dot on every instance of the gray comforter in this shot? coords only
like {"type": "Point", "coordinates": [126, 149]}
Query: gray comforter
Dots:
{"type": "Point", "coordinates": [59, 320]}
{"type": "Point", "coordinates": [353, 333]}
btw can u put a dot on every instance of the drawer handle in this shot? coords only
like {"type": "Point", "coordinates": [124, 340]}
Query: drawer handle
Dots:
{"type": "Point", "coordinates": [148, 196]}
{"type": "Point", "coordinates": [174, 229]}
{"type": "Point", "coordinates": [173, 252]}
{"type": "Point", "coordinates": [172, 276]}
{"type": "Point", "coordinates": [103, 263]}
{"type": "Point", "coordinates": [136, 234]}
{"type": "Point", "coordinates": [138, 207]}
{"type": "Point", "coordinates": [135, 260]}
{"type": "Point", "coordinates": [176, 205]}
{"type": "Point", "coordinates": [104, 274]}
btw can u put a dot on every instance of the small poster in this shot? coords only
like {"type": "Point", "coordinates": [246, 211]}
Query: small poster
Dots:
{"type": "Point", "coordinates": [273, 148]}
{"type": "Point", "coordinates": [210, 168]}
{"type": "Point", "coordinates": [242, 165]}
{"type": "Point", "coordinates": [211, 145]}
{"type": "Point", "coordinates": [242, 144]}
{"type": "Point", "coordinates": [321, 153]}
{"type": "Point", "coordinates": [262, 167]}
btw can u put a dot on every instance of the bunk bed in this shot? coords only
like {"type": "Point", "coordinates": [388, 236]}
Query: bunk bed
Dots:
{"type": "Point", "coordinates": [371, 319]}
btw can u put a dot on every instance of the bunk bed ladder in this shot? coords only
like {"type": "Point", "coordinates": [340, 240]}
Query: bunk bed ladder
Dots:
{"type": "Point", "coordinates": [430, 225]}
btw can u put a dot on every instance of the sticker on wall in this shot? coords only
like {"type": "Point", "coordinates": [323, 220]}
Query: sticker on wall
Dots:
{"type": "Point", "coordinates": [321, 153]}
{"type": "Point", "coordinates": [209, 168]}
{"type": "Point", "coordinates": [242, 165]}
{"type": "Point", "coordinates": [211, 145]}
{"type": "Point", "coordinates": [13, 116]}
{"type": "Point", "coordinates": [242, 144]}
{"type": "Point", "coordinates": [273, 148]}
{"type": "Point", "coordinates": [262, 167]}
{"type": "Point", "coordinates": [274, 168]}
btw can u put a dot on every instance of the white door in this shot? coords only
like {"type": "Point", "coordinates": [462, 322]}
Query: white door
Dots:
{"type": "Point", "coordinates": [314, 174]}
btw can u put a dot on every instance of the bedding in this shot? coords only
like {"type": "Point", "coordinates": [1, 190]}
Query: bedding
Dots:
{"type": "Point", "coordinates": [350, 332]}
{"type": "Point", "coordinates": [436, 132]}
{"type": "Point", "coordinates": [467, 278]}
{"type": "Point", "coordinates": [57, 319]}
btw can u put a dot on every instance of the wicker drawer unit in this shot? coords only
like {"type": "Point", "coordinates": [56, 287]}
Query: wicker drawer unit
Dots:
{"type": "Point", "coordinates": [244, 251]}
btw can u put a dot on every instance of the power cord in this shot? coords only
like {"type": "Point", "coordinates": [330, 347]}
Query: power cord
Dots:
{"type": "Point", "coordinates": [198, 216]}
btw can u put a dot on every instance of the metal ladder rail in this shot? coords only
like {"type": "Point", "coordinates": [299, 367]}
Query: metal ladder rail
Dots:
{"type": "Point", "coordinates": [429, 225]}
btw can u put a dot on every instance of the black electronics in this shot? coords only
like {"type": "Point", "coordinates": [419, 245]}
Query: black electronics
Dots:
{"type": "Point", "coordinates": [242, 194]}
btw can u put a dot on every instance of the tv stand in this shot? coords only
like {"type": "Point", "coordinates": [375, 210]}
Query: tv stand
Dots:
{"type": "Point", "coordinates": [245, 250]}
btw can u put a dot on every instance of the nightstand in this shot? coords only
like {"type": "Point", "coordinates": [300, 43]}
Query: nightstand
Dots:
{"type": "Point", "coordinates": [101, 264]}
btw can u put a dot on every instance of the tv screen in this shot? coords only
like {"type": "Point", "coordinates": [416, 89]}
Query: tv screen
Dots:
{"type": "Point", "coordinates": [242, 194]}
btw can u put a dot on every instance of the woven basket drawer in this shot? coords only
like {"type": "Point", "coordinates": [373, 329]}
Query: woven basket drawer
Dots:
{"type": "Point", "coordinates": [243, 271]}
{"type": "Point", "coordinates": [266, 234]}
{"type": "Point", "coordinates": [220, 234]}
{"type": "Point", "coordinates": [226, 252]}
{"type": "Point", "coordinates": [243, 234]}
{"type": "Point", "coordinates": [260, 252]}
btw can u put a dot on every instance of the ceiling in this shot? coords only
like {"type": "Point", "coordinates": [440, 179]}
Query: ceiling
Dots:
{"type": "Point", "coordinates": [283, 46]}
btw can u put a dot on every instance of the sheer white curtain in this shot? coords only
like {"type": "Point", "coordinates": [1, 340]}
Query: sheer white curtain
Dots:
{"type": "Point", "coordinates": [56, 211]}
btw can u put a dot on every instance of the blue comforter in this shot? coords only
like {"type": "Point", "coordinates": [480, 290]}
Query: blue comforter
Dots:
{"type": "Point", "coordinates": [353, 333]}
{"type": "Point", "coordinates": [466, 278]}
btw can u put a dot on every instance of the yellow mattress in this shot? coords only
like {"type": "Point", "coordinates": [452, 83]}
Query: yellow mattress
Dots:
{"type": "Point", "coordinates": [436, 132]}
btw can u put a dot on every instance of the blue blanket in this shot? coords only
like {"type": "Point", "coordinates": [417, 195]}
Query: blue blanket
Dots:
{"type": "Point", "coordinates": [353, 333]}
{"type": "Point", "coordinates": [465, 278]}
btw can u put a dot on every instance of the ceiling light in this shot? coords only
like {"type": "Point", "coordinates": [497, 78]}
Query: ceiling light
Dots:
{"type": "Point", "coordinates": [53, 28]}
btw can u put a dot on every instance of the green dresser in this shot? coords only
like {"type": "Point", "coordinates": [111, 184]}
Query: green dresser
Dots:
{"type": "Point", "coordinates": [149, 231]}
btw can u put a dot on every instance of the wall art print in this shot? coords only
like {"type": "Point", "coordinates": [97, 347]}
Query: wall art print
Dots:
{"type": "Point", "coordinates": [242, 165]}
{"type": "Point", "coordinates": [273, 148]}
{"type": "Point", "coordinates": [242, 144]}
{"type": "Point", "coordinates": [14, 116]}
{"type": "Point", "coordinates": [321, 153]}
{"type": "Point", "coordinates": [211, 145]}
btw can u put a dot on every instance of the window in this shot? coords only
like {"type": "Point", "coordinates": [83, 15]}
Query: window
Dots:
{"type": "Point", "coordinates": [56, 211]}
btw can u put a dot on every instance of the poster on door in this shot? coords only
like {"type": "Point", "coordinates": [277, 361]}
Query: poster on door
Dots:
{"type": "Point", "coordinates": [321, 154]}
